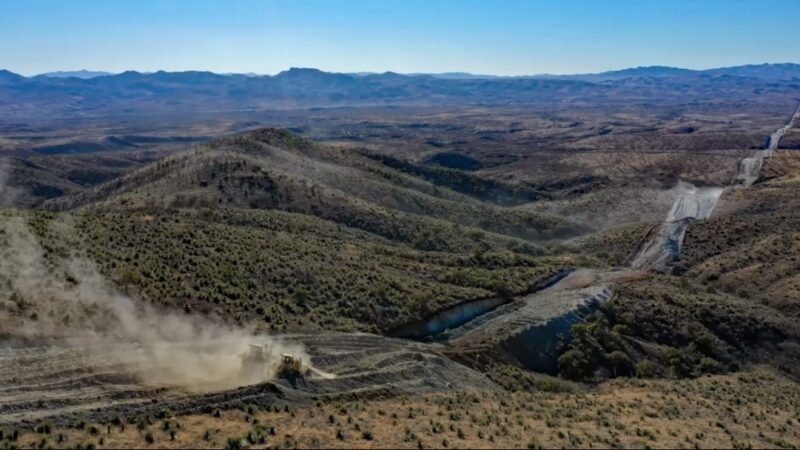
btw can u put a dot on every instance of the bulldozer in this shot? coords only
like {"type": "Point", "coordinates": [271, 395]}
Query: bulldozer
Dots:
{"type": "Point", "coordinates": [259, 364]}
{"type": "Point", "coordinates": [290, 367]}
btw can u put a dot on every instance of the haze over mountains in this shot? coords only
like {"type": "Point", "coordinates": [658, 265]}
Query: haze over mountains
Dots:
{"type": "Point", "coordinates": [767, 70]}
{"type": "Point", "coordinates": [85, 74]}
{"type": "Point", "coordinates": [86, 93]}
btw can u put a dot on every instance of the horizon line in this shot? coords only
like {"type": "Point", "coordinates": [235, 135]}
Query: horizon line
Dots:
{"type": "Point", "coordinates": [366, 72]}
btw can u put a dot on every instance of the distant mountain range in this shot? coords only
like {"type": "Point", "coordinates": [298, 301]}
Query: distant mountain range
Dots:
{"type": "Point", "coordinates": [85, 74]}
{"type": "Point", "coordinates": [784, 71]}
{"type": "Point", "coordinates": [775, 71]}
{"type": "Point", "coordinates": [85, 93]}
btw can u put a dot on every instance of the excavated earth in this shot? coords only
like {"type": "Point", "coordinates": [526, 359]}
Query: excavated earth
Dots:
{"type": "Point", "coordinates": [65, 384]}
{"type": "Point", "coordinates": [533, 330]}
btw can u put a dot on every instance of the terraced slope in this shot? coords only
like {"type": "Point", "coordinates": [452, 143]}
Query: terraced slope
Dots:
{"type": "Point", "coordinates": [64, 384]}
{"type": "Point", "coordinates": [533, 330]}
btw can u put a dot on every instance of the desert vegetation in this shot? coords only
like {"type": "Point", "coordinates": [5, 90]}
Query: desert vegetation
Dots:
{"type": "Point", "coordinates": [287, 271]}
{"type": "Point", "coordinates": [755, 408]}
{"type": "Point", "coordinates": [335, 227]}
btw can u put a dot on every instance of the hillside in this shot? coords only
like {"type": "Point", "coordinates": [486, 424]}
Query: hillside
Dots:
{"type": "Point", "coordinates": [753, 409]}
{"type": "Point", "coordinates": [731, 299]}
{"type": "Point", "coordinates": [291, 234]}
{"type": "Point", "coordinates": [35, 179]}
{"type": "Point", "coordinates": [750, 247]}
{"type": "Point", "coordinates": [273, 169]}
{"type": "Point", "coordinates": [278, 270]}
{"type": "Point", "coordinates": [415, 239]}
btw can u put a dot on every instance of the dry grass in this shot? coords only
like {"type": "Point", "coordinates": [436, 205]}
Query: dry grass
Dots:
{"type": "Point", "coordinates": [752, 409]}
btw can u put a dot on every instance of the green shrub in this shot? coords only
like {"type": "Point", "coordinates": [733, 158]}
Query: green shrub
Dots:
{"type": "Point", "coordinates": [575, 365]}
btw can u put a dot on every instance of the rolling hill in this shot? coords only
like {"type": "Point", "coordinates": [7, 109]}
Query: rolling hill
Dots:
{"type": "Point", "coordinates": [293, 234]}
{"type": "Point", "coordinates": [274, 169]}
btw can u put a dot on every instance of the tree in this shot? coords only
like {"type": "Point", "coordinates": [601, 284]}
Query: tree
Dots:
{"type": "Point", "coordinates": [647, 369]}
{"type": "Point", "coordinates": [620, 362]}
{"type": "Point", "coordinates": [574, 364]}
{"type": "Point", "coordinates": [300, 297]}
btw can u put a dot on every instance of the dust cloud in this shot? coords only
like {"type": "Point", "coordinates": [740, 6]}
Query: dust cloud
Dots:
{"type": "Point", "coordinates": [64, 300]}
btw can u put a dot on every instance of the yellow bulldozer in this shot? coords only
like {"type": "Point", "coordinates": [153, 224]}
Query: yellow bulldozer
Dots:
{"type": "Point", "coordinates": [259, 364]}
{"type": "Point", "coordinates": [289, 367]}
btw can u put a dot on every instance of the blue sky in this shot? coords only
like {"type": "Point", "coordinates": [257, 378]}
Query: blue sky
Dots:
{"type": "Point", "coordinates": [503, 36]}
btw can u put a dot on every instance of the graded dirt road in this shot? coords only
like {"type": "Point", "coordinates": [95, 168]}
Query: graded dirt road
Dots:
{"type": "Point", "coordinates": [695, 203]}
{"type": "Point", "coordinates": [62, 384]}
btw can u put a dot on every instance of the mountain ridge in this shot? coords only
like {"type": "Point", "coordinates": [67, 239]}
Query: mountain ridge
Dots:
{"type": "Point", "coordinates": [652, 70]}
{"type": "Point", "coordinates": [132, 92]}
{"type": "Point", "coordinates": [83, 73]}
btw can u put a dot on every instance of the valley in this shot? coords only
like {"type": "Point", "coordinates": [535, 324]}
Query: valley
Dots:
{"type": "Point", "coordinates": [590, 239]}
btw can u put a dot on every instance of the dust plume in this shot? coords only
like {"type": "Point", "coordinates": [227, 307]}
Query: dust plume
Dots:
{"type": "Point", "coordinates": [64, 299]}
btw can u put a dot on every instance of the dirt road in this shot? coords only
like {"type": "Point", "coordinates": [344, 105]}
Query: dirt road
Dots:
{"type": "Point", "coordinates": [695, 203]}
{"type": "Point", "coordinates": [64, 384]}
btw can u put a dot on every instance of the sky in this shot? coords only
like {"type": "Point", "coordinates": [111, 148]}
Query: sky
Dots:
{"type": "Point", "coordinates": [505, 37]}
